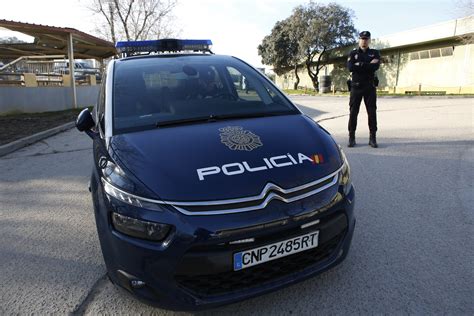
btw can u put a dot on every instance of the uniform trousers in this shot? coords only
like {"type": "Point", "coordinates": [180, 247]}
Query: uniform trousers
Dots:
{"type": "Point", "coordinates": [369, 94]}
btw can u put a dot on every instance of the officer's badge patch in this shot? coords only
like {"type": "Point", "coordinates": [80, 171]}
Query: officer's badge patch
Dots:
{"type": "Point", "coordinates": [356, 56]}
{"type": "Point", "coordinates": [236, 138]}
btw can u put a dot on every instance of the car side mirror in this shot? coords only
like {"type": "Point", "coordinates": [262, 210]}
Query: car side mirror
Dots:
{"type": "Point", "coordinates": [85, 123]}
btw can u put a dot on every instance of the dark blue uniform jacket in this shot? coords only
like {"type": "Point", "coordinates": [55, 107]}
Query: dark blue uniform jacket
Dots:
{"type": "Point", "coordinates": [359, 64]}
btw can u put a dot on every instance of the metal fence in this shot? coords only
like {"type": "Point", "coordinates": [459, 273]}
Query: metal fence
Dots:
{"type": "Point", "coordinates": [47, 71]}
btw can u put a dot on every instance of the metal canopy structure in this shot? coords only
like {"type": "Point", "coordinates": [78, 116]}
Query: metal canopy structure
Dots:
{"type": "Point", "coordinates": [51, 40]}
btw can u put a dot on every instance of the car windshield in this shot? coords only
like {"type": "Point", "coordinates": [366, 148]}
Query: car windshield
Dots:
{"type": "Point", "coordinates": [168, 90]}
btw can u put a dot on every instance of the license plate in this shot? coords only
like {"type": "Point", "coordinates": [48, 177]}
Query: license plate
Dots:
{"type": "Point", "coordinates": [252, 257]}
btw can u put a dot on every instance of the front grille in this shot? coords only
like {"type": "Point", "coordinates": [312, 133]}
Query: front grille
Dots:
{"type": "Point", "coordinates": [269, 192]}
{"type": "Point", "coordinates": [226, 282]}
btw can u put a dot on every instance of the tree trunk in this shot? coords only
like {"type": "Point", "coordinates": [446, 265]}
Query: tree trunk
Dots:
{"type": "Point", "coordinates": [316, 85]}
{"type": "Point", "coordinates": [314, 75]}
{"type": "Point", "coordinates": [111, 23]}
{"type": "Point", "coordinates": [297, 82]}
{"type": "Point", "coordinates": [315, 81]}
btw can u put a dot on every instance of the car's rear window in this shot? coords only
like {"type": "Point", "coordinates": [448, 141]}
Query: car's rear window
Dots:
{"type": "Point", "coordinates": [156, 90]}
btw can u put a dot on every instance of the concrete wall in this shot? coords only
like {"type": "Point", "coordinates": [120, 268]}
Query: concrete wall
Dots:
{"type": "Point", "coordinates": [43, 99]}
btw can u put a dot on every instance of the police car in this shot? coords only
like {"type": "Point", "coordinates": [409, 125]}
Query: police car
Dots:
{"type": "Point", "coordinates": [209, 186]}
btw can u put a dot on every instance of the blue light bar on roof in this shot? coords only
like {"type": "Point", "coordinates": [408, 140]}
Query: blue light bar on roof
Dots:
{"type": "Point", "coordinates": [164, 45]}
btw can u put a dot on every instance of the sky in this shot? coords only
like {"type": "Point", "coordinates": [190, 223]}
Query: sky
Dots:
{"type": "Point", "coordinates": [237, 27]}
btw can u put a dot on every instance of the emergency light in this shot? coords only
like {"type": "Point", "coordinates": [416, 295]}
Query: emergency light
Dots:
{"type": "Point", "coordinates": [163, 45]}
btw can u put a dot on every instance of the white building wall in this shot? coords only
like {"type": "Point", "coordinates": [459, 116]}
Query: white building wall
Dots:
{"type": "Point", "coordinates": [452, 74]}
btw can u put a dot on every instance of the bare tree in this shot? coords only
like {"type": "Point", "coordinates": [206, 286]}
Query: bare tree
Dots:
{"type": "Point", "coordinates": [465, 9]}
{"type": "Point", "coordinates": [133, 20]}
{"type": "Point", "coordinates": [10, 40]}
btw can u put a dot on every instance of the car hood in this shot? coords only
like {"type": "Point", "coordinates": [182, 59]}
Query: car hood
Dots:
{"type": "Point", "coordinates": [227, 159]}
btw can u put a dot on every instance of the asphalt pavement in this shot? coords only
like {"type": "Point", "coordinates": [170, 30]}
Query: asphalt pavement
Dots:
{"type": "Point", "coordinates": [412, 251]}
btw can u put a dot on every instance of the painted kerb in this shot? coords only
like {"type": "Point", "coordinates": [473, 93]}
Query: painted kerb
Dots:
{"type": "Point", "coordinates": [43, 99]}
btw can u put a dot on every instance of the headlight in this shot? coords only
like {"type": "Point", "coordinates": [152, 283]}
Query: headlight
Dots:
{"type": "Point", "coordinates": [345, 174]}
{"type": "Point", "coordinates": [118, 185]}
{"type": "Point", "coordinates": [129, 198]}
{"type": "Point", "coordinates": [140, 228]}
{"type": "Point", "coordinates": [114, 174]}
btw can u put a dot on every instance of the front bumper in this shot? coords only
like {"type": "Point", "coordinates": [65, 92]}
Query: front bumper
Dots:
{"type": "Point", "coordinates": [193, 269]}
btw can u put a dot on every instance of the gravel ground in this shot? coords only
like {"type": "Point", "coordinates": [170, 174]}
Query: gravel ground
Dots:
{"type": "Point", "coordinates": [16, 126]}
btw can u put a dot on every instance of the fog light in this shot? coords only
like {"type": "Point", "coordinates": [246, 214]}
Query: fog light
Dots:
{"type": "Point", "coordinates": [242, 241]}
{"type": "Point", "coordinates": [140, 228]}
{"type": "Point", "coordinates": [137, 284]}
{"type": "Point", "coordinates": [128, 281]}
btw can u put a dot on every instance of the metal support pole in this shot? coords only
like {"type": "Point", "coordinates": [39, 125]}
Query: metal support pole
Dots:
{"type": "Point", "coordinates": [70, 53]}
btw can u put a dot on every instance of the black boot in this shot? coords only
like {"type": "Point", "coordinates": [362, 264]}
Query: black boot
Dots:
{"type": "Point", "coordinates": [352, 140]}
{"type": "Point", "coordinates": [373, 141]}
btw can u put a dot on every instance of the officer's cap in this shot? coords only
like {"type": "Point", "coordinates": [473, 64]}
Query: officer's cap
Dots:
{"type": "Point", "coordinates": [364, 34]}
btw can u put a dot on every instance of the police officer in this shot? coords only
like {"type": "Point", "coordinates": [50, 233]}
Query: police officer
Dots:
{"type": "Point", "coordinates": [362, 63]}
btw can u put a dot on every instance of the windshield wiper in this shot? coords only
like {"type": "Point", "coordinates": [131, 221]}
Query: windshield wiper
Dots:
{"type": "Point", "coordinates": [214, 118]}
{"type": "Point", "coordinates": [250, 115]}
{"type": "Point", "coordinates": [185, 121]}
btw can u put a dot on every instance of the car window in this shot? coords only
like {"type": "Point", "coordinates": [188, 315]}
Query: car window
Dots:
{"type": "Point", "coordinates": [243, 85]}
{"type": "Point", "coordinates": [155, 90]}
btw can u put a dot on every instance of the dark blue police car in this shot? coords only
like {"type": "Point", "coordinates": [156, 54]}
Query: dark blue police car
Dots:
{"type": "Point", "coordinates": [209, 186]}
